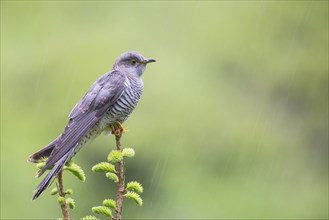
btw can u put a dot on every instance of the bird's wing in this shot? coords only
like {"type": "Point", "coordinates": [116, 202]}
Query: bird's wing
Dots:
{"type": "Point", "coordinates": [107, 89]}
{"type": "Point", "coordinates": [102, 94]}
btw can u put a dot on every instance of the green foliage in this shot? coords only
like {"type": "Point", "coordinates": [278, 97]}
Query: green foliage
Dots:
{"type": "Point", "coordinates": [128, 152]}
{"type": "Point", "coordinates": [114, 156]}
{"type": "Point", "coordinates": [41, 165]}
{"type": "Point", "coordinates": [69, 192]}
{"type": "Point", "coordinates": [112, 176]}
{"type": "Point", "coordinates": [132, 190]}
{"type": "Point", "coordinates": [76, 171]}
{"type": "Point", "coordinates": [70, 202]}
{"type": "Point", "coordinates": [134, 186]}
{"type": "Point", "coordinates": [61, 200]}
{"type": "Point", "coordinates": [103, 210]}
{"type": "Point", "coordinates": [109, 203]}
{"type": "Point", "coordinates": [104, 167]}
{"type": "Point", "coordinates": [54, 191]}
{"type": "Point", "coordinates": [134, 196]}
{"type": "Point", "coordinates": [89, 217]}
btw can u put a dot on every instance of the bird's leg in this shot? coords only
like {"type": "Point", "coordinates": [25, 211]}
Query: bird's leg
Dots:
{"type": "Point", "coordinates": [122, 129]}
{"type": "Point", "coordinates": [119, 130]}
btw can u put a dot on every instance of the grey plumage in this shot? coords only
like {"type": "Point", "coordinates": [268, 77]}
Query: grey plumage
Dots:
{"type": "Point", "coordinates": [110, 99]}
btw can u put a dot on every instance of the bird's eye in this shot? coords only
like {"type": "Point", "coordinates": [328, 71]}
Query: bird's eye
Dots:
{"type": "Point", "coordinates": [133, 62]}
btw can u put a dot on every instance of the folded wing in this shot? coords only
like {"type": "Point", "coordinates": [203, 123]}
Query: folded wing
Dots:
{"type": "Point", "coordinates": [103, 93]}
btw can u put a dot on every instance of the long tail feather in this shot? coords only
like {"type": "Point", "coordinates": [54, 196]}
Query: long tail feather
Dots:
{"type": "Point", "coordinates": [52, 174]}
{"type": "Point", "coordinates": [44, 152]}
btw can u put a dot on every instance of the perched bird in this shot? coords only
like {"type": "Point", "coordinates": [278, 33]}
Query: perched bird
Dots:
{"type": "Point", "coordinates": [108, 103]}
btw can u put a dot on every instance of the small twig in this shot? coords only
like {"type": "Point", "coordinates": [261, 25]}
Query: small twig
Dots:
{"type": "Point", "coordinates": [61, 192]}
{"type": "Point", "coordinates": [121, 189]}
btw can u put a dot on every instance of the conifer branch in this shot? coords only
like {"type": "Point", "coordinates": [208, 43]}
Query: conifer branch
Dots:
{"type": "Point", "coordinates": [121, 175]}
{"type": "Point", "coordinates": [64, 205]}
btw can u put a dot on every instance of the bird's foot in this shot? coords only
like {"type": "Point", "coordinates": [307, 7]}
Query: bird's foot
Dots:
{"type": "Point", "coordinates": [119, 130]}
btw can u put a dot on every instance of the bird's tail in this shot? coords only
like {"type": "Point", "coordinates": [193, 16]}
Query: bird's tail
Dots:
{"type": "Point", "coordinates": [44, 152]}
{"type": "Point", "coordinates": [52, 174]}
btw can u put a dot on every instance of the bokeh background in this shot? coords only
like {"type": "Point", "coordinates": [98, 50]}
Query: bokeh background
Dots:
{"type": "Point", "coordinates": [233, 123]}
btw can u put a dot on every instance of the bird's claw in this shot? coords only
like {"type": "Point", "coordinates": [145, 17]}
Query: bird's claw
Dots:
{"type": "Point", "coordinates": [118, 131]}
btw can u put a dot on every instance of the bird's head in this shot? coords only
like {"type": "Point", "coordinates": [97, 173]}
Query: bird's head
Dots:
{"type": "Point", "coordinates": [132, 62]}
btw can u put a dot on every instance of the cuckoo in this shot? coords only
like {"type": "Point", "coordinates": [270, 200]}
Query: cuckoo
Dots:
{"type": "Point", "coordinates": [107, 104]}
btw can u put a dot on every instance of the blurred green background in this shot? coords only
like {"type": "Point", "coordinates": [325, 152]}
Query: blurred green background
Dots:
{"type": "Point", "coordinates": [233, 122]}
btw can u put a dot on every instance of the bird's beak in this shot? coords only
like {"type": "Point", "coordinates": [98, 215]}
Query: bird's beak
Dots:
{"type": "Point", "coordinates": [149, 60]}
